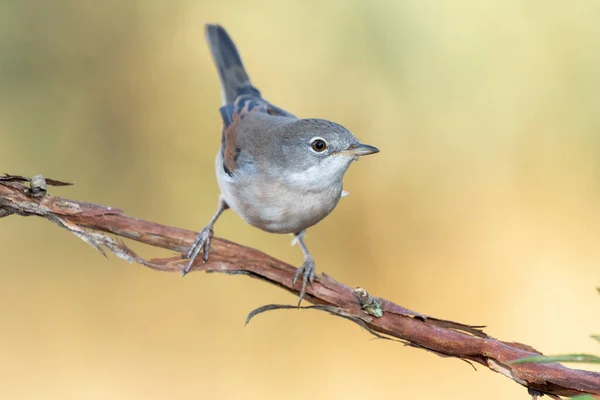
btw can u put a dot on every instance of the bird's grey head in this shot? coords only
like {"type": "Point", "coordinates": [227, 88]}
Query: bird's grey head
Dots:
{"type": "Point", "coordinates": [318, 152]}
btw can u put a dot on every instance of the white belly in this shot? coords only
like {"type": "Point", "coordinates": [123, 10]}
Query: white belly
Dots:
{"type": "Point", "coordinates": [273, 206]}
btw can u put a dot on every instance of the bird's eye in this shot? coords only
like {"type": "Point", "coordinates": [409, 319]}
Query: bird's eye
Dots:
{"type": "Point", "coordinates": [318, 145]}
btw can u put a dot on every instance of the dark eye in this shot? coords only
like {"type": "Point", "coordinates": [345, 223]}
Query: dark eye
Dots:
{"type": "Point", "coordinates": [318, 145]}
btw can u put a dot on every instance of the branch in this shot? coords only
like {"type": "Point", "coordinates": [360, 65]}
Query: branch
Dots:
{"type": "Point", "coordinates": [384, 319]}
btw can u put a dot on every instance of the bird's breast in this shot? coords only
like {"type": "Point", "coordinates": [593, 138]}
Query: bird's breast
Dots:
{"type": "Point", "coordinates": [273, 205]}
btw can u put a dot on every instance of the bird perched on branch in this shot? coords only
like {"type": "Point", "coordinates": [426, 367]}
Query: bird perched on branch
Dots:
{"type": "Point", "coordinates": [279, 173]}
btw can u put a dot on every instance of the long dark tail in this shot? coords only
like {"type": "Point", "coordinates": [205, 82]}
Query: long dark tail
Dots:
{"type": "Point", "coordinates": [234, 79]}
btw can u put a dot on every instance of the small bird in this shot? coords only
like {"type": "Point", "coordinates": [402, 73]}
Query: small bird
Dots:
{"type": "Point", "coordinates": [279, 173]}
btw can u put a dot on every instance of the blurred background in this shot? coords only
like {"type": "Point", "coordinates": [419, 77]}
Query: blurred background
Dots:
{"type": "Point", "coordinates": [482, 207]}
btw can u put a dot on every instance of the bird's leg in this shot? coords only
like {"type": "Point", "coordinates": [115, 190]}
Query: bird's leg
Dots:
{"type": "Point", "coordinates": [307, 270]}
{"type": "Point", "coordinates": [202, 241]}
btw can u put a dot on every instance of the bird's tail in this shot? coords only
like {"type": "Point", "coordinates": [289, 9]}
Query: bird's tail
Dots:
{"type": "Point", "coordinates": [234, 79]}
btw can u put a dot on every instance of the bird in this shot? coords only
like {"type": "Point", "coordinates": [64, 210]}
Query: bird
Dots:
{"type": "Point", "coordinates": [279, 173]}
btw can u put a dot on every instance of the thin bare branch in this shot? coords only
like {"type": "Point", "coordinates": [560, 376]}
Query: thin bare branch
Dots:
{"type": "Point", "coordinates": [382, 318]}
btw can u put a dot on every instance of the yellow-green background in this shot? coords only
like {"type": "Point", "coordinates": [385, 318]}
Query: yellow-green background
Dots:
{"type": "Point", "coordinates": [482, 207]}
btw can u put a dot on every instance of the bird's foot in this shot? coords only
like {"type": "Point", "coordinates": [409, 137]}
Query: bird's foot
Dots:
{"type": "Point", "coordinates": [202, 243]}
{"type": "Point", "coordinates": [307, 270]}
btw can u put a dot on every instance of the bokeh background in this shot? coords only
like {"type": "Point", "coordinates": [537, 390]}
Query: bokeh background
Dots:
{"type": "Point", "coordinates": [482, 207]}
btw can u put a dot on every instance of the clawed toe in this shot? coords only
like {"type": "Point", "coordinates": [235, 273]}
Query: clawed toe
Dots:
{"type": "Point", "coordinates": [307, 270]}
{"type": "Point", "coordinates": [190, 251]}
{"type": "Point", "coordinates": [202, 243]}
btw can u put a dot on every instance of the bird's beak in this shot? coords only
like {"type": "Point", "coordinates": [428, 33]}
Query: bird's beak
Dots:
{"type": "Point", "coordinates": [359, 149]}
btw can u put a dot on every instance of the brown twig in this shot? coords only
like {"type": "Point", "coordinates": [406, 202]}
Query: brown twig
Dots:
{"type": "Point", "coordinates": [381, 317]}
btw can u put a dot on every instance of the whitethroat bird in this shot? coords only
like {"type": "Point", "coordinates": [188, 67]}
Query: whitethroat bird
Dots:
{"type": "Point", "coordinates": [279, 173]}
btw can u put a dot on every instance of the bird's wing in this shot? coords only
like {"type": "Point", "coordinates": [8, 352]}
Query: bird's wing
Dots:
{"type": "Point", "coordinates": [246, 107]}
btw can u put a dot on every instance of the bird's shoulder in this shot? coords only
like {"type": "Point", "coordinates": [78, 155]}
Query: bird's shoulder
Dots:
{"type": "Point", "coordinates": [248, 106]}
